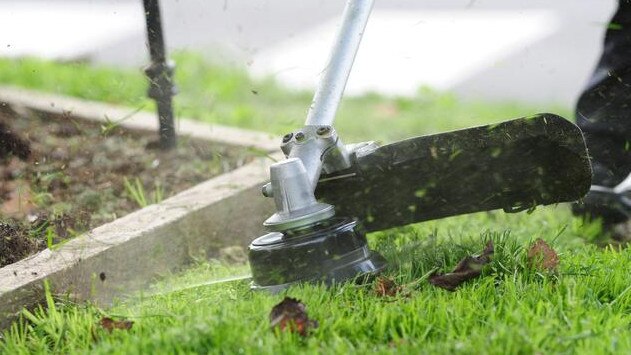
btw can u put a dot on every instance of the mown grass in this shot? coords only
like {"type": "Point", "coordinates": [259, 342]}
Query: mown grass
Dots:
{"type": "Point", "coordinates": [228, 96]}
{"type": "Point", "coordinates": [585, 307]}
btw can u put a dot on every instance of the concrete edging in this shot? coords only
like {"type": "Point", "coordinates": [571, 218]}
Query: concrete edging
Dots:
{"type": "Point", "coordinates": [141, 120]}
{"type": "Point", "coordinates": [131, 251]}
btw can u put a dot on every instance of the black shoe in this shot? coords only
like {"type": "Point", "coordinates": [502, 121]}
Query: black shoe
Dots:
{"type": "Point", "coordinates": [609, 198]}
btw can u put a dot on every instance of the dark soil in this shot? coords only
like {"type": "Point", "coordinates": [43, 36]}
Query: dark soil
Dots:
{"type": "Point", "coordinates": [61, 176]}
{"type": "Point", "coordinates": [14, 243]}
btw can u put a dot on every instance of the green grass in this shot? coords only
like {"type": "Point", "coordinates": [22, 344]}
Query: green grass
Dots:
{"type": "Point", "coordinates": [222, 95]}
{"type": "Point", "coordinates": [584, 308]}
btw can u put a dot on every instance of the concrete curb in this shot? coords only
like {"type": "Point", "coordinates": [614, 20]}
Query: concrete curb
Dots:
{"type": "Point", "coordinates": [125, 255]}
{"type": "Point", "coordinates": [141, 120]}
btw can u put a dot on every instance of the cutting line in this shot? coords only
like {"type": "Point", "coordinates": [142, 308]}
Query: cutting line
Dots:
{"type": "Point", "coordinates": [337, 177]}
{"type": "Point", "coordinates": [207, 283]}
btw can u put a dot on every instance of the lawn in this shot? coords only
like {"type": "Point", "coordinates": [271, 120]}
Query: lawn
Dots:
{"type": "Point", "coordinates": [582, 307]}
{"type": "Point", "coordinates": [228, 96]}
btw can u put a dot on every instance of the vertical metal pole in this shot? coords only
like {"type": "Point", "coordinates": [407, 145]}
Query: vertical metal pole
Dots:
{"type": "Point", "coordinates": [160, 74]}
{"type": "Point", "coordinates": [329, 93]}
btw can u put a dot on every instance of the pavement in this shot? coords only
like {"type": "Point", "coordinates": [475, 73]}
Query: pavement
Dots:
{"type": "Point", "coordinates": [538, 51]}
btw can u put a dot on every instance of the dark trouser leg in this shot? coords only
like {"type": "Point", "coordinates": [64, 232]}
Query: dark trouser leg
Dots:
{"type": "Point", "coordinates": [604, 109]}
{"type": "Point", "coordinates": [604, 113]}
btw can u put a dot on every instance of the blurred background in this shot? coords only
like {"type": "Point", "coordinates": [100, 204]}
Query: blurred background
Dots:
{"type": "Point", "coordinates": [535, 51]}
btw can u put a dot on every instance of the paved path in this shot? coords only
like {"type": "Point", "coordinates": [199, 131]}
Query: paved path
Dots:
{"type": "Point", "coordinates": [536, 50]}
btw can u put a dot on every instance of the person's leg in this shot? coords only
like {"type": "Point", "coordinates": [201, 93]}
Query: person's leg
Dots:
{"type": "Point", "coordinates": [603, 112]}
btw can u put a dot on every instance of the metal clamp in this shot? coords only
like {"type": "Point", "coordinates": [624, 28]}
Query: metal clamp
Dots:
{"type": "Point", "coordinates": [319, 148]}
{"type": "Point", "coordinates": [309, 151]}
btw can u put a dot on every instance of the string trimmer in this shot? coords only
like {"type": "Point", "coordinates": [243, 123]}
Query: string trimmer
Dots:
{"type": "Point", "coordinates": [328, 194]}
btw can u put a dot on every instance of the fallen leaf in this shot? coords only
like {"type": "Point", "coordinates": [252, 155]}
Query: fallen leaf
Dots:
{"type": "Point", "coordinates": [291, 315]}
{"type": "Point", "coordinates": [542, 257]}
{"type": "Point", "coordinates": [468, 268]}
{"type": "Point", "coordinates": [110, 324]}
{"type": "Point", "coordinates": [386, 287]}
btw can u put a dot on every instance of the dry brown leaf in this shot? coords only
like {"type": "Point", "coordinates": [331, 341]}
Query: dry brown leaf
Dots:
{"type": "Point", "coordinates": [468, 268]}
{"type": "Point", "coordinates": [110, 324]}
{"type": "Point", "coordinates": [291, 315]}
{"type": "Point", "coordinates": [386, 287]}
{"type": "Point", "coordinates": [542, 257]}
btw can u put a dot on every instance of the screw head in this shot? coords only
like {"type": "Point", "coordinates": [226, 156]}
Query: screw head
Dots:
{"type": "Point", "coordinates": [287, 137]}
{"type": "Point", "coordinates": [300, 136]}
{"type": "Point", "coordinates": [323, 130]}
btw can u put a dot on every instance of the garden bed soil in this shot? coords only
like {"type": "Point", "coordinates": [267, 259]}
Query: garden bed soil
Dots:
{"type": "Point", "coordinates": [61, 176]}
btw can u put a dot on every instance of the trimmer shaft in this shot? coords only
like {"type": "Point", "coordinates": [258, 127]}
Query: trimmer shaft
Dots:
{"type": "Point", "coordinates": [330, 251]}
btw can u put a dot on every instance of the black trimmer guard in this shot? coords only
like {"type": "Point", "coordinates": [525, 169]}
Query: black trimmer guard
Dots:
{"type": "Point", "coordinates": [514, 166]}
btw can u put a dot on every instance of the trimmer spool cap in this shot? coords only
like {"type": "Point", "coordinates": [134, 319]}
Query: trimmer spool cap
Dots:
{"type": "Point", "coordinates": [330, 251]}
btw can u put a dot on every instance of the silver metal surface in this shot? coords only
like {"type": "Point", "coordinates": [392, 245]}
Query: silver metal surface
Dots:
{"type": "Point", "coordinates": [296, 205]}
{"type": "Point", "coordinates": [319, 148]}
{"type": "Point", "coordinates": [267, 190]}
{"type": "Point", "coordinates": [331, 87]}
{"type": "Point", "coordinates": [358, 150]}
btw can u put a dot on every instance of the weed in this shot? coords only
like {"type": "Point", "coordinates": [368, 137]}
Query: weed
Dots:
{"type": "Point", "coordinates": [136, 191]}
{"type": "Point", "coordinates": [110, 125]}
{"type": "Point", "coordinates": [57, 325]}
{"type": "Point", "coordinates": [50, 238]}
{"type": "Point", "coordinates": [42, 198]}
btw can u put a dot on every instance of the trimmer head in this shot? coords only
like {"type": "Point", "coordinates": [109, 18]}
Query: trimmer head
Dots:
{"type": "Point", "coordinates": [330, 251]}
{"type": "Point", "coordinates": [515, 166]}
